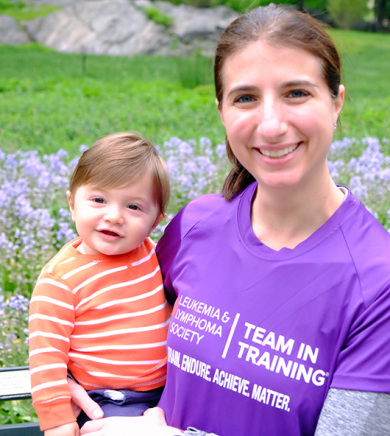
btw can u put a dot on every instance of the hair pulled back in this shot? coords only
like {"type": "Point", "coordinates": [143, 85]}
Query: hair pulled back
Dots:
{"type": "Point", "coordinates": [277, 26]}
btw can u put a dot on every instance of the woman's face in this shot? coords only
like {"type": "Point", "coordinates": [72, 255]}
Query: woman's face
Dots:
{"type": "Point", "coordinates": [278, 114]}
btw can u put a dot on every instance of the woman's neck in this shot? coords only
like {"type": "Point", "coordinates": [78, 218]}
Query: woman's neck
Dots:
{"type": "Point", "coordinates": [286, 217]}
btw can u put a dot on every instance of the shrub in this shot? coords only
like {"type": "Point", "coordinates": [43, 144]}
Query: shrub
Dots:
{"type": "Point", "coordinates": [157, 16]}
{"type": "Point", "coordinates": [346, 12]}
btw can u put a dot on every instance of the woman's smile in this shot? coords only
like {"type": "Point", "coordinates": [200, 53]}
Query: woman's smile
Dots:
{"type": "Point", "coordinates": [278, 152]}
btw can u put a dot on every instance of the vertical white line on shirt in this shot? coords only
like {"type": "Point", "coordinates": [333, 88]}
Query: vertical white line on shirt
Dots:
{"type": "Point", "coordinates": [230, 335]}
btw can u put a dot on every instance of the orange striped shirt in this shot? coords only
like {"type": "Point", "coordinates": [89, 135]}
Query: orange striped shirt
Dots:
{"type": "Point", "coordinates": [103, 317]}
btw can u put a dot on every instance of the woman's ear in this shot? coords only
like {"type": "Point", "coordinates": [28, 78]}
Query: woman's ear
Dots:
{"type": "Point", "coordinates": [219, 110]}
{"type": "Point", "coordinates": [71, 205]}
{"type": "Point", "coordinates": [339, 101]}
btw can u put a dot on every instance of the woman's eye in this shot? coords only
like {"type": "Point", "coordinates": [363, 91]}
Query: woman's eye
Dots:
{"type": "Point", "coordinates": [297, 93]}
{"type": "Point", "coordinates": [98, 200]}
{"type": "Point", "coordinates": [133, 207]}
{"type": "Point", "coordinates": [244, 99]}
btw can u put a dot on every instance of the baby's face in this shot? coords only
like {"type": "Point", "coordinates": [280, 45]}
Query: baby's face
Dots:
{"type": "Point", "coordinates": [114, 221]}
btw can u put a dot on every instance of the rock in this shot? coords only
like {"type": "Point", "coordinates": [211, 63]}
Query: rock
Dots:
{"type": "Point", "coordinates": [99, 27]}
{"type": "Point", "coordinates": [10, 32]}
{"type": "Point", "coordinates": [120, 27]}
{"type": "Point", "coordinates": [190, 22]}
{"type": "Point", "coordinates": [54, 2]}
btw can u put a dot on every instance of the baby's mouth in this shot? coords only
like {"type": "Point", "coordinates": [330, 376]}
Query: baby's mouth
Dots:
{"type": "Point", "coordinates": [109, 233]}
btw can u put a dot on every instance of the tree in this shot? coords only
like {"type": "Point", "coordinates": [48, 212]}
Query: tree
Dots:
{"type": "Point", "coordinates": [382, 11]}
{"type": "Point", "coordinates": [346, 12]}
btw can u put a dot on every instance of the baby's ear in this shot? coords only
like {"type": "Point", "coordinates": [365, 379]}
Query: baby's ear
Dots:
{"type": "Point", "coordinates": [71, 204]}
{"type": "Point", "coordinates": [159, 218]}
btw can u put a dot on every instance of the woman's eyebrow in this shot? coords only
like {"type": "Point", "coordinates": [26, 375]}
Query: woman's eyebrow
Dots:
{"type": "Point", "coordinates": [243, 88]}
{"type": "Point", "coordinates": [293, 83]}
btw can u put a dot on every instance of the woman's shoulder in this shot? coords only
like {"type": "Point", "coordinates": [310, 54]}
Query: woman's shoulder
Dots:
{"type": "Point", "coordinates": [369, 247]}
{"type": "Point", "coordinates": [202, 211]}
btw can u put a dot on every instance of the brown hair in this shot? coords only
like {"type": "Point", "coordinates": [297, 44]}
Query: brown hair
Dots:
{"type": "Point", "coordinates": [278, 26]}
{"type": "Point", "coordinates": [118, 160]}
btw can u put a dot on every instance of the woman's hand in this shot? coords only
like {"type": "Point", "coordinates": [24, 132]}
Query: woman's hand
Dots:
{"type": "Point", "coordinates": [151, 424]}
{"type": "Point", "coordinates": [82, 401]}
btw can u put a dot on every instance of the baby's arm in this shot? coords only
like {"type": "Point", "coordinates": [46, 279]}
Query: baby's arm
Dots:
{"type": "Point", "coordinates": [71, 429]}
{"type": "Point", "coordinates": [51, 324]}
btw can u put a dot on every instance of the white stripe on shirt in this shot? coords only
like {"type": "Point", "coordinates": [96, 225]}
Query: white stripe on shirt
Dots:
{"type": "Point", "coordinates": [98, 276]}
{"type": "Point", "coordinates": [124, 331]}
{"type": "Point", "coordinates": [49, 335]}
{"type": "Point", "coordinates": [54, 283]}
{"type": "Point", "coordinates": [121, 347]}
{"type": "Point", "coordinates": [118, 285]}
{"type": "Point", "coordinates": [46, 367]}
{"type": "Point", "coordinates": [114, 362]}
{"type": "Point", "coordinates": [122, 316]}
{"type": "Point", "coordinates": [145, 259]}
{"type": "Point", "coordinates": [50, 318]}
{"type": "Point", "coordinates": [48, 385]}
{"type": "Point", "coordinates": [53, 301]}
{"type": "Point", "coordinates": [129, 300]}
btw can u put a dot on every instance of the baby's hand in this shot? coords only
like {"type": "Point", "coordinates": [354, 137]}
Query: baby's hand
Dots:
{"type": "Point", "coordinates": [71, 429]}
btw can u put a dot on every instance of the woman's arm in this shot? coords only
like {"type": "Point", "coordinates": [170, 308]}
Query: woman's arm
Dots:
{"type": "Point", "coordinates": [354, 413]}
{"type": "Point", "coordinates": [147, 425]}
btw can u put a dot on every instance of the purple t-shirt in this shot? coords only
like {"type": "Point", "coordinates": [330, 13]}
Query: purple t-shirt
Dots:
{"type": "Point", "coordinates": [258, 336]}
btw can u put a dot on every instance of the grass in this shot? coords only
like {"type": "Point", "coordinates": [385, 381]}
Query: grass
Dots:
{"type": "Point", "coordinates": [366, 58]}
{"type": "Point", "coordinates": [51, 100]}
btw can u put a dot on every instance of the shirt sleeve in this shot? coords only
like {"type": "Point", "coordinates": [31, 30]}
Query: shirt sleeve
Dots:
{"type": "Point", "coordinates": [51, 324]}
{"type": "Point", "coordinates": [363, 363]}
{"type": "Point", "coordinates": [354, 413]}
{"type": "Point", "coordinates": [167, 248]}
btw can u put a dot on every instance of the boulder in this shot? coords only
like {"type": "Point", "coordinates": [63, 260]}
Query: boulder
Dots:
{"type": "Point", "coordinates": [120, 27]}
{"type": "Point", "coordinates": [192, 23]}
{"type": "Point", "coordinates": [10, 32]}
{"type": "Point", "coordinates": [54, 2]}
{"type": "Point", "coordinates": [99, 27]}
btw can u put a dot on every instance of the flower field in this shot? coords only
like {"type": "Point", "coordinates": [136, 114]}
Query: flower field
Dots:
{"type": "Point", "coordinates": [35, 221]}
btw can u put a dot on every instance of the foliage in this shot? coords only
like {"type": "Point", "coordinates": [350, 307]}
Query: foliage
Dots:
{"type": "Point", "coordinates": [14, 412]}
{"type": "Point", "coordinates": [157, 16]}
{"type": "Point", "coordinates": [368, 175]}
{"type": "Point", "coordinates": [346, 12]}
{"type": "Point", "coordinates": [9, 4]}
{"type": "Point", "coordinates": [21, 11]}
{"type": "Point", "coordinates": [33, 218]}
{"type": "Point", "coordinates": [319, 5]}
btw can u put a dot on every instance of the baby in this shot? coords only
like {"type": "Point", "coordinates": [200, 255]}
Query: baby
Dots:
{"type": "Point", "coordinates": [98, 308]}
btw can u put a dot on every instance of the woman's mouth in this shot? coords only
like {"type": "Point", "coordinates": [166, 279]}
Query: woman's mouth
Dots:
{"type": "Point", "coordinates": [277, 154]}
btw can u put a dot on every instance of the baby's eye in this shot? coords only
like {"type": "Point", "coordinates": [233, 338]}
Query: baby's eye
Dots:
{"type": "Point", "coordinates": [244, 99]}
{"type": "Point", "coordinates": [98, 200]}
{"type": "Point", "coordinates": [133, 207]}
{"type": "Point", "coordinates": [297, 93]}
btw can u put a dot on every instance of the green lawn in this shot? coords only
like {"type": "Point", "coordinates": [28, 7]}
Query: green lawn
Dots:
{"type": "Point", "coordinates": [50, 100]}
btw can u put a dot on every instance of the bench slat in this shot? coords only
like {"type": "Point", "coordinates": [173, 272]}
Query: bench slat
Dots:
{"type": "Point", "coordinates": [27, 429]}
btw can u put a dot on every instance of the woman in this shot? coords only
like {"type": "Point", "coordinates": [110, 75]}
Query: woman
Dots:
{"type": "Point", "coordinates": [280, 286]}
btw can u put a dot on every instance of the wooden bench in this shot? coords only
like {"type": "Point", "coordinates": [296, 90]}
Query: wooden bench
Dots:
{"type": "Point", "coordinates": [15, 385]}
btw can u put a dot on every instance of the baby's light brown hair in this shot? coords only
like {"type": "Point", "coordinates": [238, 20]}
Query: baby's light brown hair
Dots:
{"type": "Point", "coordinates": [117, 161]}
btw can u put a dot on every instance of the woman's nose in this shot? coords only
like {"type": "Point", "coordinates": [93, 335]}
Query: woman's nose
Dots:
{"type": "Point", "coordinates": [113, 215]}
{"type": "Point", "coordinates": [272, 123]}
